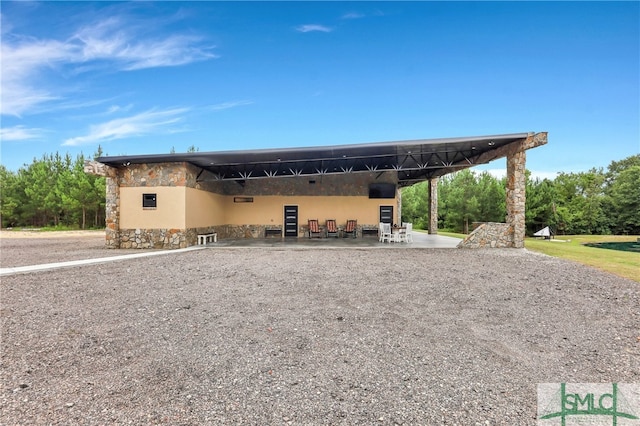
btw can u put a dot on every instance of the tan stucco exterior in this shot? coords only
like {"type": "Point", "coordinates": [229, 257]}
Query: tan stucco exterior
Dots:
{"type": "Point", "coordinates": [268, 210]}
{"type": "Point", "coordinates": [207, 209]}
{"type": "Point", "coordinates": [169, 213]}
{"type": "Point", "coordinates": [189, 203]}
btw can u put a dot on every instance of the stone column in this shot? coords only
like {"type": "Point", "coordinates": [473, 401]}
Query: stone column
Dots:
{"type": "Point", "coordinates": [516, 197]}
{"type": "Point", "coordinates": [112, 208]}
{"type": "Point", "coordinates": [433, 205]}
{"type": "Point", "coordinates": [399, 198]}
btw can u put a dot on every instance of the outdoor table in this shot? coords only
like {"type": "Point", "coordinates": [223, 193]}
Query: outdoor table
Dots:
{"type": "Point", "coordinates": [396, 231]}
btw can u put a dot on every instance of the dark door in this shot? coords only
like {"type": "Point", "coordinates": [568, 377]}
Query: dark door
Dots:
{"type": "Point", "coordinates": [291, 221]}
{"type": "Point", "coordinates": [386, 214]}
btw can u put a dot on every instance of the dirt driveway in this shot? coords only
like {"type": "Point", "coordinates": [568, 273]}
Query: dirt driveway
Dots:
{"type": "Point", "coordinates": [306, 337]}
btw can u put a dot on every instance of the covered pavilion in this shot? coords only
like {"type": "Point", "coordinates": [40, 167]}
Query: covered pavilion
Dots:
{"type": "Point", "coordinates": [215, 185]}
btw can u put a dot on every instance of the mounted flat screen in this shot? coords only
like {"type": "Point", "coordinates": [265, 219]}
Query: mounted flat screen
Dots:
{"type": "Point", "coordinates": [382, 190]}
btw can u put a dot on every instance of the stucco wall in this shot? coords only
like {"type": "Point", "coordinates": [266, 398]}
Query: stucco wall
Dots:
{"type": "Point", "coordinates": [269, 210]}
{"type": "Point", "coordinates": [169, 213]}
{"type": "Point", "coordinates": [205, 208]}
{"type": "Point", "coordinates": [191, 203]}
{"type": "Point", "coordinates": [317, 197]}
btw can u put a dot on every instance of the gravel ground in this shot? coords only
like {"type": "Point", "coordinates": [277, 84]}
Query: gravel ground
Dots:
{"type": "Point", "coordinates": [307, 337]}
{"type": "Point", "coordinates": [28, 248]}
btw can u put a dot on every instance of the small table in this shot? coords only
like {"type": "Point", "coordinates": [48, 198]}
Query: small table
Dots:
{"type": "Point", "coordinates": [397, 231]}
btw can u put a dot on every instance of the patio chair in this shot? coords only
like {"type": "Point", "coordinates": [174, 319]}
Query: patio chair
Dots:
{"type": "Point", "coordinates": [351, 228]}
{"type": "Point", "coordinates": [385, 232]}
{"type": "Point", "coordinates": [314, 228]}
{"type": "Point", "coordinates": [408, 231]}
{"type": "Point", "coordinates": [332, 228]}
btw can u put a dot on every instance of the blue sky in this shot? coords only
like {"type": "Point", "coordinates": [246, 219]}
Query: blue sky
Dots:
{"type": "Point", "coordinates": [149, 77]}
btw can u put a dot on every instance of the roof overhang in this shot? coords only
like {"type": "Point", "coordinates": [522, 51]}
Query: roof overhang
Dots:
{"type": "Point", "coordinates": [412, 160]}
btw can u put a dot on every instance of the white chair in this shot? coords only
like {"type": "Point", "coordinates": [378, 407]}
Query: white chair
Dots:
{"type": "Point", "coordinates": [408, 231]}
{"type": "Point", "coordinates": [385, 232]}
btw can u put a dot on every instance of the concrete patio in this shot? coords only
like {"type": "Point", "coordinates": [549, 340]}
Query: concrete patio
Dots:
{"type": "Point", "coordinates": [420, 240]}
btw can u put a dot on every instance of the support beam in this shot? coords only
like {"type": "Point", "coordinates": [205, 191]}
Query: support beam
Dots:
{"type": "Point", "coordinates": [532, 141]}
{"type": "Point", "coordinates": [516, 196]}
{"type": "Point", "coordinates": [399, 205]}
{"type": "Point", "coordinates": [433, 206]}
{"type": "Point", "coordinates": [112, 208]}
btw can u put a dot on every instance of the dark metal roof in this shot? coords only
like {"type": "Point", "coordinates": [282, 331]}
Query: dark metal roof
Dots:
{"type": "Point", "coordinates": [413, 160]}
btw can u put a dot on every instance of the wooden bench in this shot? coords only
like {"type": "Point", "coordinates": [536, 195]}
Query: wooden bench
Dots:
{"type": "Point", "coordinates": [207, 238]}
{"type": "Point", "coordinates": [272, 231]}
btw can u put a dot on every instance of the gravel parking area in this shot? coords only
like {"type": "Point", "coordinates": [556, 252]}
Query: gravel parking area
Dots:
{"type": "Point", "coordinates": [309, 337]}
{"type": "Point", "coordinates": [34, 248]}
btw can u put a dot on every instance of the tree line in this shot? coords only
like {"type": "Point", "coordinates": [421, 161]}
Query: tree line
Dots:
{"type": "Point", "coordinates": [594, 202]}
{"type": "Point", "coordinates": [53, 191]}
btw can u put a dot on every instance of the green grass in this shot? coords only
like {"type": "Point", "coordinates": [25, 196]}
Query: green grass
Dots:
{"type": "Point", "coordinates": [50, 228]}
{"type": "Point", "coordinates": [41, 228]}
{"type": "Point", "coordinates": [451, 234]}
{"type": "Point", "coordinates": [58, 228]}
{"type": "Point", "coordinates": [622, 263]}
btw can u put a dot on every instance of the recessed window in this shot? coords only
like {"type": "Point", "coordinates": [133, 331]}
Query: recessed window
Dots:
{"type": "Point", "coordinates": [149, 201]}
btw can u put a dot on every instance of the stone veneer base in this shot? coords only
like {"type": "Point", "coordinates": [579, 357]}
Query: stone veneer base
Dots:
{"type": "Point", "coordinates": [489, 234]}
{"type": "Point", "coordinates": [182, 238]}
{"type": "Point", "coordinates": [156, 238]}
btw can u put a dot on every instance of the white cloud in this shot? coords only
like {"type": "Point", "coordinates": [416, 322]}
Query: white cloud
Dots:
{"type": "Point", "coordinates": [227, 105]}
{"type": "Point", "coordinates": [145, 123]}
{"type": "Point", "coordinates": [20, 65]}
{"type": "Point", "coordinates": [19, 133]}
{"type": "Point", "coordinates": [5, 25]}
{"type": "Point", "coordinates": [352, 15]}
{"type": "Point", "coordinates": [110, 43]}
{"type": "Point", "coordinates": [111, 40]}
{"type": "Point", "coordinates": [117, 108]}
{"type": "Point", "coordinates": [313, 27]}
